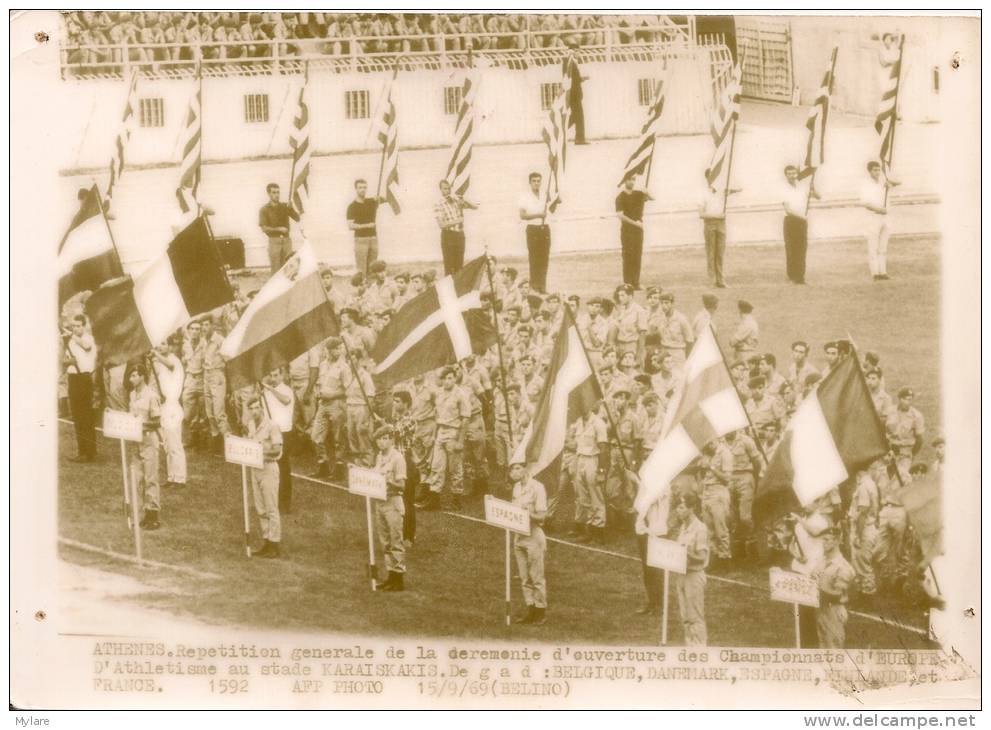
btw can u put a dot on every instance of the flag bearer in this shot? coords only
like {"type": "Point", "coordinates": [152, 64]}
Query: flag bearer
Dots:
{"type": "Point", "coordinates": [747, 464]}
{"type": "Point", "coordinates": [265, 481]}
{"type": "Point", "coordinates": [834, 576]}
{"type": "Point", "coordinates": [144, 403]}
{"type": "Point", "coordinates": [170, 377]}
{"type": "Point", "coordinates": [358, 389]}
{"type": "Point", "coordinates": [330, 421]}
{"type": "Point", "coordinates": [390, 463]}
{"type": "Point", "coordinates": [215, 384]}
{"type": "Point", "coordinates": [447, 465]}
{"type": "Point", "coordinates": [530, 549]}
{"type": "Point", "coordinates": [624, 454]}
{"type": "Point", "coordinates": [715, 471]}
{"type": "Point", "coordinates": [193, 413]}
{"type": "Point", "coordinates": [906, 429]}
{"type": "Point", "coordinates": [690, 587]}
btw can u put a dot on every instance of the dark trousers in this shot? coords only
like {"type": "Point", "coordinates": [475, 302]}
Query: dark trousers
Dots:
{"type": "Point", "coordinates": [577, 119]}
{"type": "Point", "coordinates": [83, 418]}
{"type": "Point", "coordinates": [409, 498]}
{"type": "Point", "coordinates": [538, 246]}
{"type": "Point", "coordinates": [796, 235]}
{"type": "Point", "coordinates": [653, 578]}
{"type": "Point", "coordinates": [808, 627]}
{"type": "Point", "coordinates": [452, 248]}
{"type": "Point", "coordinates": [631, 240]}
{"type": "Point", "coordinates": [285, 472]}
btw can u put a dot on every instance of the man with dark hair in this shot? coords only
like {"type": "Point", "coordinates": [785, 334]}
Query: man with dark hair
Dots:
{"type": "Point", "coordinates": [265, 481]}
{"type": "Point", "coordinates": [447, 465]}
{"type": "Point", "coordinates": [273, 219]}
{"type": "Point", "coordinates": [80, 358]}
{"type": "Point", "coordinates": [874, 199]}
{"type": "Point", "coordinates": [629, 210]}
{"type": "Point", "coordinates": [451, 219]}
{"type": "Point", "coordinates": [796, 224]}
{"type": "Point", "coordinates": [361, 219]}
{"type": "Point", "coordinates": [533, 212]}
{"type": "Point", "coordinates": [800, 367]}
{"type": "Point", "coordinates": [689, 589]}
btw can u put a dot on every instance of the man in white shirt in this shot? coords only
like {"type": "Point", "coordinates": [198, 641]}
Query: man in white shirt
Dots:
{"type": "Point", "coordinates": [533, 212]}
{"type": "Point", "coordinates": [170, 377]}
{"type": "Point", "coordinates": [796, 224]}
{"type": "Point", "coordinates": [874, 198]}
{"type": "Point", "coordinates": [80, 361]}
{"type": "Point", "coordinates": [279, 404]}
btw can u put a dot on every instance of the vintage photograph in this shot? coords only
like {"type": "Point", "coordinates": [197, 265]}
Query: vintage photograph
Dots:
{"type": "Point", "coordinates": [501, 359]}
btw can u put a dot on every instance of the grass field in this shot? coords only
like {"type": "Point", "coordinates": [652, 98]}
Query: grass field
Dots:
{"type": "Point", "coordinates": [456, 566]}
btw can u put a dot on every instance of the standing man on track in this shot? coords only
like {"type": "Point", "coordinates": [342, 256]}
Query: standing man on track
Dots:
{"type": "Point", "coordinates": [361, 219]}
{"type": "Point", "coordinates": [533, 212]}
{"type": "Point", "coordinates": [273, 219]}
{"type": "Point", "coordinates": [629, 210]}
{"type": "Point", "coordinates": [451, 219]}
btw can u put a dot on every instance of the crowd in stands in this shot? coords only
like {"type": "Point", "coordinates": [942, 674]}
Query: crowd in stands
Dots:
{"type": "Point", "coordinates": [96, 37]}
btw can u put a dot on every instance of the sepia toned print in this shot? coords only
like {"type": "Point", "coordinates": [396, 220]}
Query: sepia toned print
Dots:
{"type": "Point", "coordinates": [504, 360]}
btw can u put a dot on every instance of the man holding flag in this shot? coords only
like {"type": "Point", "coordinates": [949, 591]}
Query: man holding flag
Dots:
{"type": "Point", "coordinates": [533, 212]}
{"type": "Point", "coordinates": [273, 219]}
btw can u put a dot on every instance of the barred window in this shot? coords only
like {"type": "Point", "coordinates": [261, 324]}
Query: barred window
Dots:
{"type": "Point", "coordinates": [255, 108]}
{"type": "Point", "coordinates": [452, 100]}
{"type": "Point", "coordinates": [548, 93]}
{"type": "Point", "coordinates": [356, 104]}
{"type": "Point", "coordinates": [152, 112]}
{"type": "Point", "coordinates": [645, 91]}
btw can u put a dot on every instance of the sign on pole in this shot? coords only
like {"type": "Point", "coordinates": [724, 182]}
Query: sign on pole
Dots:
{"type": "Point", "coordinates": [667, 555]}
{"type": "Point", "coordinates": [122, 425]}
{"type": "Point", "coordinates": [243, 451]}
{"type": "Point", "coordinates": [366, 482]}
{"type": "Point", "coordinates": [507, 515]}
{"type": "Point", "coordinates": [794, 588]}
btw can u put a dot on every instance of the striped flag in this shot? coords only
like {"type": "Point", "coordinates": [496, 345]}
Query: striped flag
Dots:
{"type": "Point", "coordinates": [191, 143]}
{"type": "Point", "coordinates": [815, 151]}
{"type": "Point", "coordinates": [835, 431]}
{"type": "Point", "coordinates": [459, 168]}
{"type": "Point", "coordinates": [299, 142]}
{"type": "Point", "coordinates": [705, 406]}
{"type": "Point", "coordinates": [569, 393]}
{"type": "Point", "coordinates": [86, 255]}
{"type": "Point", "coordinates": [555, 136]}
{"type": "Point", "coordinates": [722, 129]}
{"type": "Point", "coordinates": [131, 316]}
{"type": "Point", "coordinates": [642, 157]}
{"type": "Point", "coordinates": [124, 135]}
{"type": "Point", "coordinates": [887, 115]}
{"type": "Point", "coordinates": [388, 186]}
{"type": "Point", "coordinates": [438, 327]}
{"type": "Point", "coordinates": [290, 314]}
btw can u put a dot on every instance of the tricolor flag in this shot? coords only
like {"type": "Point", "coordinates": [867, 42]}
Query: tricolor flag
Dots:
{"type": "Point", "coordinates": [191, 143]}
{"type": "Point", "coordinates": [131, 316]}
{"type": "Point", "coordinates": [388, 136]}
{"type": "Point", "coordinates": [835, 431]}
{"type": "Point", "coordinates": [643, 156]}
{"type": "Point", "coordinates": [459, 168]}
{"type": "Point", "coordinates": [299, 142]}
{"type": "Point", "coordinates": [86, 254]}
{"type": "Point", "coordinates": [570, 391]}
{"type": "Point", "coordinates": [290, 314]}
{"type": "Point", "coordinates": [124, 135]}
{"type": "Point", "coordinates": [555, 136]}
{"type": "Point", "coordinates": [887, 115]}
{"type": "Point", "coordinates": [438, 327]}
{"type": "Point", "coordinates": [815, 152]}
{"type": "Point", "coordinates": [705, 406]}
{"type": "Point", "coordinates": [722, 129]}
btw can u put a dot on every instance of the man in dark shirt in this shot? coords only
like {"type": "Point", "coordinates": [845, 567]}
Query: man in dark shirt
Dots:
{"type": "Point", "coordinates": [273, 218]}
{"type": "Point", "coordinates": [576, 112]}
{"type": "Point", "coordinates": [361, 220]}
{"type": "Point", "coordinates": [629, 210]}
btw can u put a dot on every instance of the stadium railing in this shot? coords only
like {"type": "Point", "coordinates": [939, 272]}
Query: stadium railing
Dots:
{"type": "Point", "coordinates": [290, 55]}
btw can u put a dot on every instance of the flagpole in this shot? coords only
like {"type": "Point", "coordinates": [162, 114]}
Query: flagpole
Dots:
{"type": "Point", "coordinates": [829, 92]}
{"type": "Point", "coordinates": [502, 363]}
{"type": "Point", "coordinates": [894, 116]}
{"type": "Point", "coordinates": [605, 401]}
{"type": "Point", "coordinates": [653, 141]}
{"type": "Point", "coordinates": [106, 221]}
{"type": "Point", "coordinates": [199, 165]}
{"type": "Point", "coordinates": [378, 186]}
{"type": "Point", "coordinates": [737, 391]}
{"type": "Point", "coordinates": [729, 164]}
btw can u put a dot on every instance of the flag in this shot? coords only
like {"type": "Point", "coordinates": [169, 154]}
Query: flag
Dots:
{"type": "Point", "coordinates": [555, 136]}
{"type": "Point", "coordinates": [459, 168]}
{"type": "Point", "coordinates": [815, 152]}
{"type": "Point", "coordinates": [131, 316]}
{"type": "Point", "coordinates": [884, 122]}
{"type": "Point", "coordinates": [704, 407]}
{"type": "Point", "coordinates": [86, 254]}
{"type": "Point", "coordinates": [388, 137]}
{"type": "Point", "coordinates": [438, 327]}
{"type": "Point", "coordinates": [642, 157]}
{"type": "Point", "coordinates": [189, 167]}
{"type": "Point", "coordinates": [290, 314]}
{"type": "Point", "coordinates": [299, 142]}
{"type": "Point", "coordinates": [124, 135]}
{"type": "Point", "coordinates": [923, 501]}
{"type": "Point", "coordinates": [722, 129]}
{"type": "Point", "coordinates": [570, 391]}
{"type": "Point", "coordinates": [835, 431]}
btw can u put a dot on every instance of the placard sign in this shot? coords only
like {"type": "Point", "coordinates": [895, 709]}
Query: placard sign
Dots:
{"type": "Point", "coordinates": [667, 554]}
{"type": "Point", "coordinates": [507, 515]}
{"type": "Point", "coordinates": [243, 451]}
{"type": "Point", "coordinates": [794, 588]}
{"type": "Point", "coordinates": [366, 482]}
{"type": "Point", "coordinates": [121, 425]}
